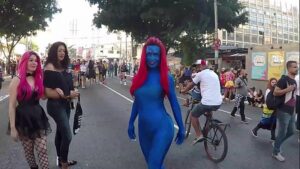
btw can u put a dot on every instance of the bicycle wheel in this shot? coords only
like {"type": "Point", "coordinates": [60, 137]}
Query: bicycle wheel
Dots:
{"type": "Point", "coordinates": [187, 123]}
{"type": "Point", "coordinates": [216, 145]}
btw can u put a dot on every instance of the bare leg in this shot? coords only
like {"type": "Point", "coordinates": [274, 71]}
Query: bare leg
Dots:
{"type": "Point", "coordinates": [196, 126]}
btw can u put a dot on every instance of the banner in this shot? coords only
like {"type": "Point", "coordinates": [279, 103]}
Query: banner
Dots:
{"type": "Point", "coordinates": [275, 64]}
{"type": "Point", "coordinates": [259, 66]}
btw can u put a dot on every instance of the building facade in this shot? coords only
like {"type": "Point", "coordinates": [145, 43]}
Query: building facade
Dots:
{"type": "Point", "coordinates": [270, 22]}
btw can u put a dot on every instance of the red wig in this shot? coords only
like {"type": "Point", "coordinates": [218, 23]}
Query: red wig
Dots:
{"type": "Point", "coordinates": [142, 73]}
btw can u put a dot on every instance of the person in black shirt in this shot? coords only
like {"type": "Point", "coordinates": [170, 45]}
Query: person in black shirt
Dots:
{"type": "Point", "coordinates": [59, 90]}
{"type": "Point", "coordinates": [285, 90]}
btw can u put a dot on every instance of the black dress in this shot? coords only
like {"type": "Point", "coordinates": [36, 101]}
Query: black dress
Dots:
{"type": "Point", "coordinates": [31, 120]}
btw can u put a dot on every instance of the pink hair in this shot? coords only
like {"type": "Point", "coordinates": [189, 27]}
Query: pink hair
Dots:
{"type": "Point", "coordinates": [24, 89]}
{"type": "Point", "coordinates": [142, 73]}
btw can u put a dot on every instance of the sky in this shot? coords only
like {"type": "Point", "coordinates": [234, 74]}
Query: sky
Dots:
{"type": "Point", "coordinates": [59, 28]}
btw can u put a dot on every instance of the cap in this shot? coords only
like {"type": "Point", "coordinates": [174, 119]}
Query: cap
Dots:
{"type": "Point", "coordinates": [201, 62]}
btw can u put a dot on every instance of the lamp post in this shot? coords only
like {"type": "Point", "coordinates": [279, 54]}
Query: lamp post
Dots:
{"type": "Point", "coordinates": [216, 34]}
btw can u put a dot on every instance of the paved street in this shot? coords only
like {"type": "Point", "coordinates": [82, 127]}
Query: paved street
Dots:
{"type": "Point", "coordinates": [103, 142]}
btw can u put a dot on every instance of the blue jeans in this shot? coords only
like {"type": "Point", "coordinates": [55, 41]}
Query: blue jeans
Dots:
{"type": "Point", "coordinates": [60, 112]}
{"type": "Point", "coordinates": [285, 125]}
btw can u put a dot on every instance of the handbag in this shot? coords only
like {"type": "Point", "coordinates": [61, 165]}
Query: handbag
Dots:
{"type": "Point", "coordinates": [77, 117]}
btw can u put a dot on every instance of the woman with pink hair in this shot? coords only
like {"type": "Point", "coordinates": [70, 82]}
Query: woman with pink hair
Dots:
{"type": "Point", "coordinates": [28, 121]}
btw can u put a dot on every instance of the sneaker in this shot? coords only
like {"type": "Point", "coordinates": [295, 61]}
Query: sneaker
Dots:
{"type": "Point", "coordinates": [124, 83]}
{"type": "Point", "coordinates": [198, 140]}
{"type": "Point", "coordinates": [245, 121]}
{"type": "Point", "coordinates": [232, 115]}
{"type": "Point", "coordinates": [278, 157]}
{"type": "Point", "coordinates": [254, 133]}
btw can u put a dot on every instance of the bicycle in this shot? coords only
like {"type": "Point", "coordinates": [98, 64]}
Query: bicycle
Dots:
{"type": "Point", "coordinates": [213, 132]}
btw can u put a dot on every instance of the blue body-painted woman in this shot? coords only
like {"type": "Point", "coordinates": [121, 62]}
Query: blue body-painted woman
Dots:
{"type": "Point", "coordinates": [156, 128]}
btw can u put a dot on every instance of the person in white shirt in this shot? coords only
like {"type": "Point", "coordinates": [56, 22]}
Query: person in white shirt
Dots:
{"type": "Point", "coordinates": [211, 96]}
{"type": "Point", "coordinates": [83, 69]}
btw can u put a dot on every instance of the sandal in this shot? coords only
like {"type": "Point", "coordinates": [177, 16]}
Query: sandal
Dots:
{"type": "Point", "coordinates": [70, 162]}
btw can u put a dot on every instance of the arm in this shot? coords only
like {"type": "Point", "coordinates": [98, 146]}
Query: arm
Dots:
{"type": "Point", "coordinates": [12, 106]}
{"type": "Point", "coordinates": [49, 92]}
{"type": "Point", "coordinates": [134, 113]}
{"type": "Point", "coordinates": [282, 87]}
{"type": "Point", "coordinates": [176, 111]}
{"type": "Point", "coordinates": [189, 86]}
{"type": "Point", "coordinates": [279, 92]}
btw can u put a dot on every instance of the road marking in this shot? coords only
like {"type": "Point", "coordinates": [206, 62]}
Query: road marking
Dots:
{"type": "Point", "coordinates": [175, 126]}
{"type": "Point", "coordinates": [2, 98]}
{"type": "Point", "coordinates": [219, 109]}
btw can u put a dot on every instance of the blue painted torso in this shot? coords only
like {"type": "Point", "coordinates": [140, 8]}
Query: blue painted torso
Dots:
{"type": "Point", "coordinates": [150, 100]}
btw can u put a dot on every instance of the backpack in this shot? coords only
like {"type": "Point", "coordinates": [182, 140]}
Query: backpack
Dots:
{"type": "Point", "coordinates": [273, 102]}
{"type": "Point", "coordinates": [187, 72]}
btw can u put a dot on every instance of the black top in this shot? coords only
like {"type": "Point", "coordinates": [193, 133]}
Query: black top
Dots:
{"type": "Point", "coordinates": [62, 80]}
{"type": "Point", "coordinates": [289, 98]}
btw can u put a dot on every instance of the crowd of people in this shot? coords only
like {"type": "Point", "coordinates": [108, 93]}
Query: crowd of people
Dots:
{"type": "Point", "coordinates": [58, 78]}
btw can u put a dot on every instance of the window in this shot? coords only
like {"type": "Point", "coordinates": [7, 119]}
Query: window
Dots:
{"type": "Point", "coordinates": [246, 45]}
{"type": "Point", "coordinates": [230, 43]}
{"type": "Point", "coordinates": [230, 36]}
{"type": "Point", "coordinates": [274, 40]}
{"type": "Point", "coordinates": [254, 39]}
{"type": "Point", "coordinates": [296, 38]}
{"type": "Point", "coordinates": [285, 41]}
{"type": "Point", "coordinates": [260, 40]}
{"type": "Point", "coordinates": [240, 45]}
{"type": "Point", "coordinates": [285, 36]}
{"type": "Point", "coordinates": [239, 30]}
{"type": "Point", "coordinates": [224, 35]}
{"type": "Point", "coordinates": [267, 40]}
{"type": "Point", "coordinates": [254, 30]}
{"type": "Point", "coordinates": [239, 37]}
{"type": "Point", "coordinates": [280, 41]}
{"type": "Point", "coordinates": [246, 37]}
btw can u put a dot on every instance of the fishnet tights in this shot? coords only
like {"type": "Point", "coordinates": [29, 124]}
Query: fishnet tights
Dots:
{"type": "Point", "coordinates": [40, 147]}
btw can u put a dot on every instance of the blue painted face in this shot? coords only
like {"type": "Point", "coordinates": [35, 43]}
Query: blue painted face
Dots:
{"type": "Point", "coordinates": [152, 56]}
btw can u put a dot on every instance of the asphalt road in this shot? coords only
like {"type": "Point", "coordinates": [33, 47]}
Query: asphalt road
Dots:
{"type": "Point", "coordinates": [102, 142]}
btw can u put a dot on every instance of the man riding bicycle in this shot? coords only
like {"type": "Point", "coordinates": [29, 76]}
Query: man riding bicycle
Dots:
{"type": "Point", "coordinates": [211, 96]}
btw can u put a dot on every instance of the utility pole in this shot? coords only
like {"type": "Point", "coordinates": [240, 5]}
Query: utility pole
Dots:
{"type": "Point", "coordinates": [216, 34]}
{"type": "Point", "coordinates": [126, 47]}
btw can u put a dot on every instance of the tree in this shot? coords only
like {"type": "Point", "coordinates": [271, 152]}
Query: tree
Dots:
{"type": "Point", "coordinates": [178, 23]}
{"type": "Point", "coordinates": [19, 19]}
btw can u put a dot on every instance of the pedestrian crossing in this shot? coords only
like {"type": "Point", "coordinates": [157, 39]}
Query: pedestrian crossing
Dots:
{"type": "Point", "coordinates": [2, 98]}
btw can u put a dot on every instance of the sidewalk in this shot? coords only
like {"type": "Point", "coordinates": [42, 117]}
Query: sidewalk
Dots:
{"type": "Point", "coordinates": [4, 90]}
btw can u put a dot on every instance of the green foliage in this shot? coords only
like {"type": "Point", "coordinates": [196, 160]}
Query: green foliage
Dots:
{"type": "Point", "coordinates": [179, 24]}
{"type": "Point", "coordinates": [21, 18]}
